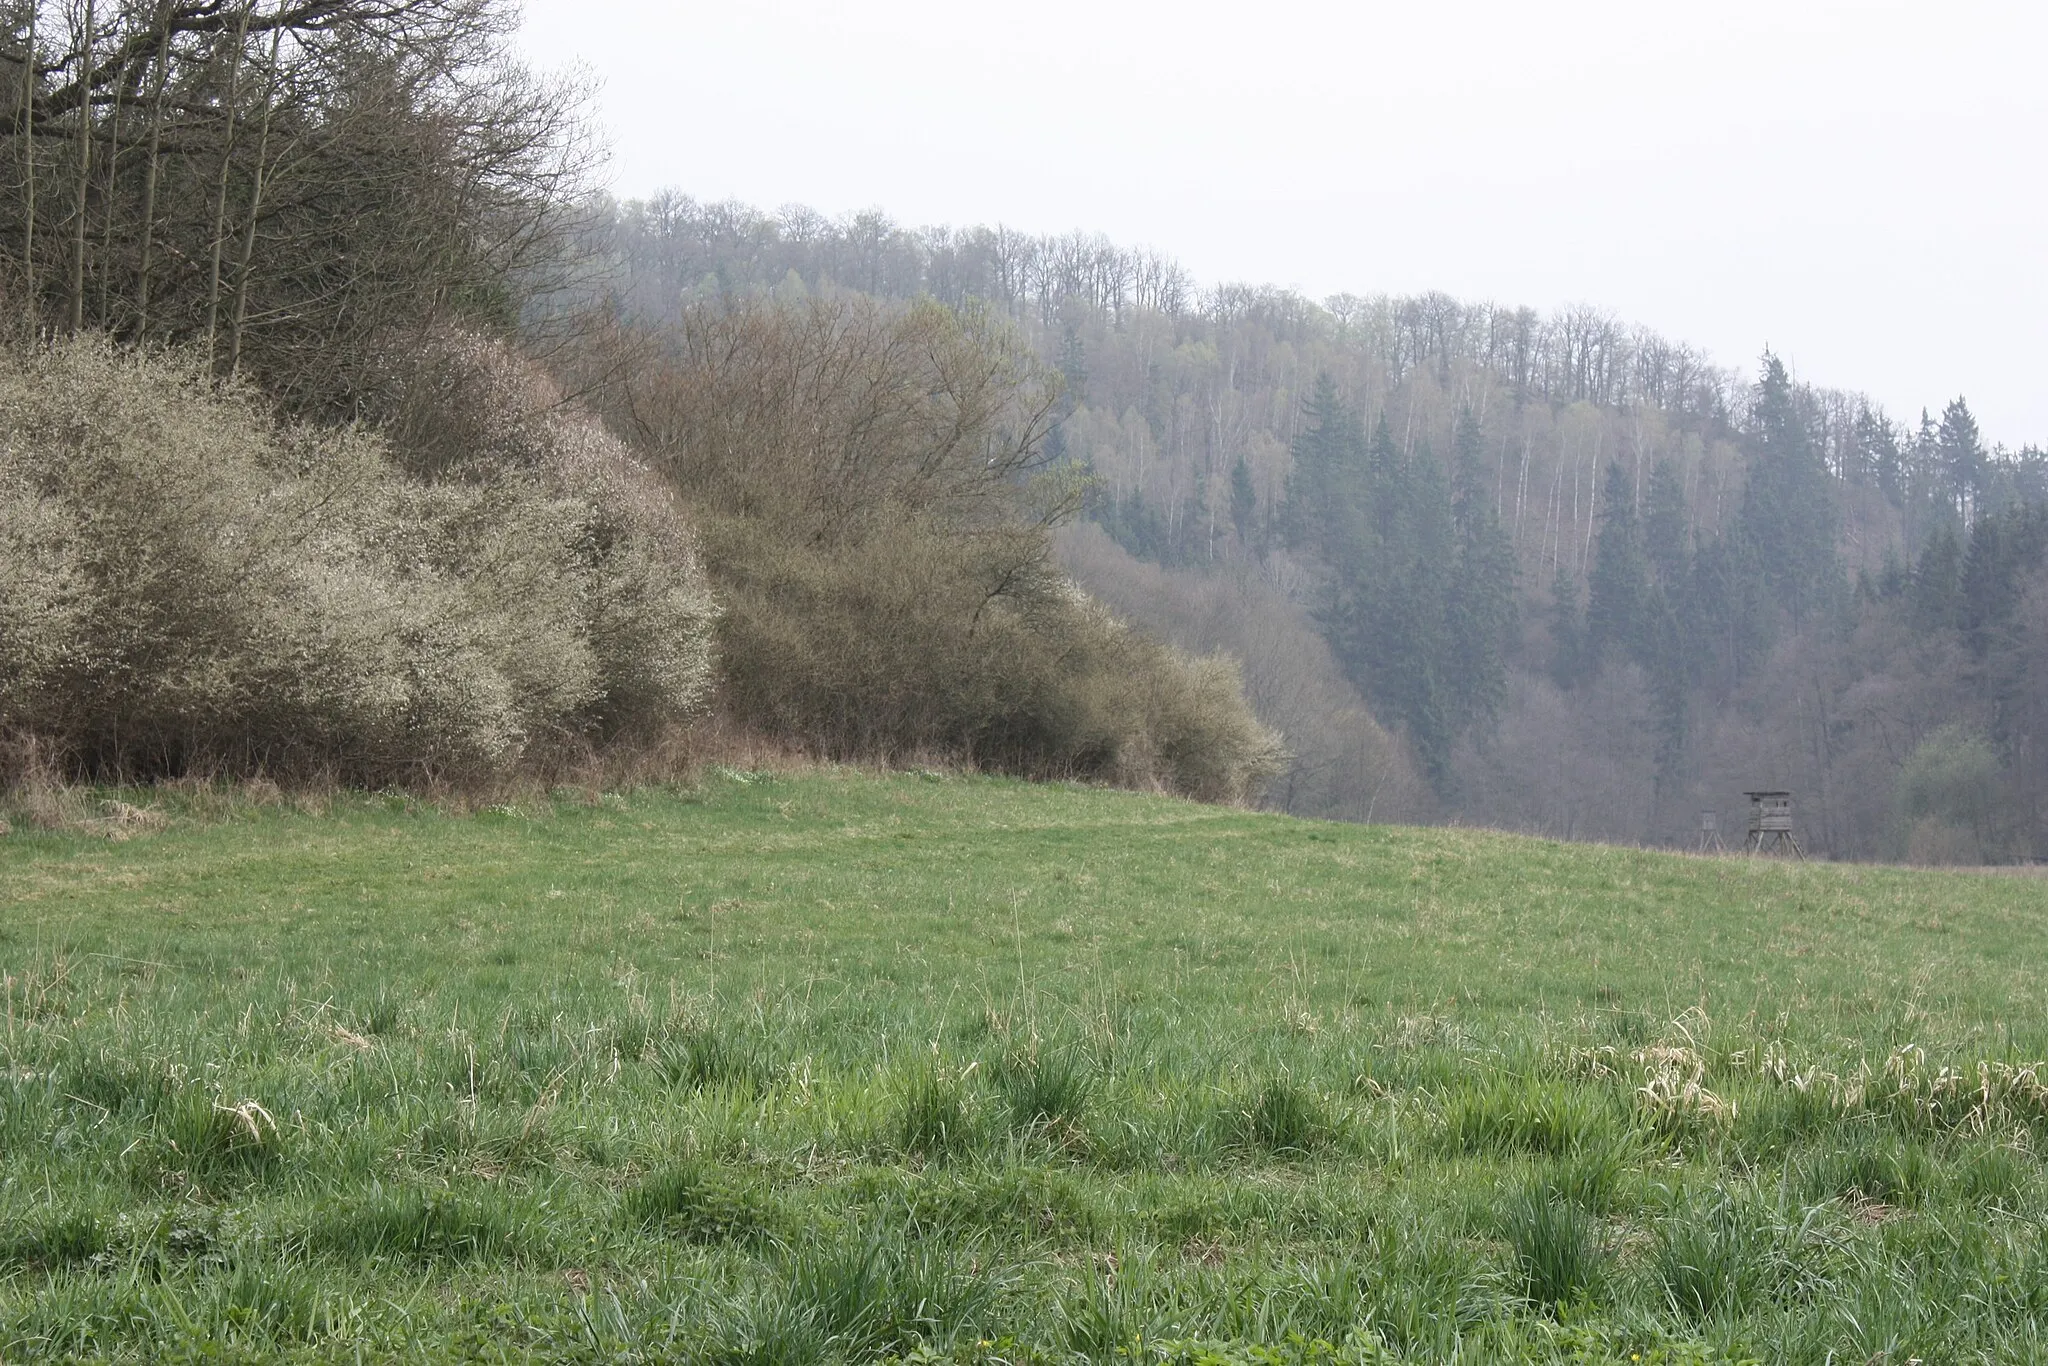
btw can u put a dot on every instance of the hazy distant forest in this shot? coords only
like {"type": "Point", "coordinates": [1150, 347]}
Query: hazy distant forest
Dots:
{"type": "Point", "coordinates": [1547, 572]}
{"type": "Point", "coordinates": [347, 432]}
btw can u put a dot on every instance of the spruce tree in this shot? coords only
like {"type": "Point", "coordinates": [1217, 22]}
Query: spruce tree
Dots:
{"type": "Point", "coordinates": [1567, 631]}
{"type": "Point", "coordinates": [1667, 530]}
{"type": "Point", "coordinates": [1788, 512]}
{"type": "Point", "coordinates": [1726, 614]}
{"type": "Point", "coordinates": [1959, 451]}
{"type": "Point", "coordinates": [1244, 501]}
{"type": "Point", "coordinates": [1617, 611]}
{"type": "Point", "coordinates": [1938, 582]}
{"type": "Point", "coordinates": [1879, 457]}
{"type": "Point", "coordinates": [1482, 595]}
{"type": "Point", "coordinates": [1321, 508]}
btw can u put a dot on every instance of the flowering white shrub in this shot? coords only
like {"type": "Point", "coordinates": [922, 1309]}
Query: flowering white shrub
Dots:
{"type": "Point", "coordinates": [183, 582]}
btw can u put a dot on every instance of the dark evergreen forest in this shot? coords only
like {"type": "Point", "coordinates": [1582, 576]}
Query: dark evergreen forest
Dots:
{"type": "Point", "coordinates": [1543, 571]}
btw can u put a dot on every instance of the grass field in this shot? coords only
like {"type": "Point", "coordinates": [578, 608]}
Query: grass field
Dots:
{"type": "Point", "coordinates": [830, 1067]}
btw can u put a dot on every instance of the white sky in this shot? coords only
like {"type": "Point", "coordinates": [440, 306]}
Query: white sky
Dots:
{"type": "Point", "coordinates": [1861, 185]}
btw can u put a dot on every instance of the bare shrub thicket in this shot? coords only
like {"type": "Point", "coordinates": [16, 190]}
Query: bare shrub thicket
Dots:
{"type": "Point", "coordinates": [184, 583]}
{"type": "Point", "coordinates": [877, 516]}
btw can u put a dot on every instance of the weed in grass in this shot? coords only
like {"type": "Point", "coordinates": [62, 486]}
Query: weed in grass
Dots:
{"type": "Point", "coordinates": [1771, 1120]}
{"type": "Point", "coordinates": [1870, 1166]}
{"type": "Point", "coordinates": [55, 1238]}
{"type": "Point", "coordinates": [1425, 1290]}
{"type": "Point", "coordinates": [1521, 1114]}
{"type": "Point", "coordinates": [111, 1084]}
{"type": "Point", "coordinates": [699, 1203]}
{"type": "Point", "coordinates": [1995, 1176]}
{"type": "Point", "coordinates": [273, 1303]}
{"type": "Point", "coordinates": [932, 1117]}
{"type": "Point", "coordinates": [885, 1293]}
{"type": "Point", "coordinates": [204, 1137]}
{"type": "Point", "coordinates": [700, 1056]}
{"type": "Point", "coordinates": [1711, 1258]}
{"type": "Point", "coordinates": [1045, 1088]}
{"type": "Point", "coordinates": [1283, 1116]}
{"type": "Point", "coordinates": [1590, 1178]}
{"type": "Point", "coordinates": [1556, 1246]}
{"type": "Point", "coordinates": [420, 1226]}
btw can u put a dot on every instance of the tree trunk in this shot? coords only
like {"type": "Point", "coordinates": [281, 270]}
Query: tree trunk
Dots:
{"type": "Point", "coordinates": [149, 181]}
{"type": "Point", "coordinates": [28, 153]}
{"type": "Point", "coordinates": [220, 198]}
{"type": "Point", "coordinates": [255, 213]}
{"type": "Point", "coordinates": [113, 198]}
{"type": "Point", "coordinates": [79, 200]}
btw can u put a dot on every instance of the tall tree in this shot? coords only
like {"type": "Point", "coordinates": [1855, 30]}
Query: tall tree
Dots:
{"type": "Point", "coordinates": [1481, 605]}
{"type": "Point", "coordinates": [1788, 513]}
{"type": "Point", "coordinates": [1938, 582]}
{"type": "Point", "coordinates": [1617, 613]}
{"type": "Point", "coordinates": [87, 38]}
{"type": "Point", "coordinates": [1244, 501]}
{"type": "Point", "coordinates": [1959, 449]}
{"type": "Point", "coordinates": [1667, 528]}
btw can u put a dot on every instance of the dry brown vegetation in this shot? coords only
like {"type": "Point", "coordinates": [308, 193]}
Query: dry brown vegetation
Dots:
{"type": "Point", "coordinates": [877, 516]}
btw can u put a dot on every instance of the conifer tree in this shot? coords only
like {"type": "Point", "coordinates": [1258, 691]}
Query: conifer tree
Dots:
{"type": "Point", "coordinates": [1567, 630]}
{"type": "Point", "coordinates": [1788, 514]}
{"type": "Point", "coordinates": [1322, 493]}
{"type": "Point", "coordinates": [1667, 530]}
{"type": "Point", "coordinates": [1959, 449]}
{"type": "Point", "coordinates": [1482, 594]}
{"type": "Point", "coordinates": [1617, 610]}
{"type": "Point", "coordinates": [1244, 501]}
{"type": "Point", "coordinates": [1879, 456]}
{"type": "Point", "coordinates": [1938, 583]}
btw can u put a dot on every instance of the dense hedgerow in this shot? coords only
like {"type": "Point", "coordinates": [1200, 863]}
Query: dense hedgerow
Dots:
{"type": "Point", "coordinates": [185, 583]}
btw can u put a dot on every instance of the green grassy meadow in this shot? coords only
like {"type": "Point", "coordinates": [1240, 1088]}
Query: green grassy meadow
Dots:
{"type": "Point", "coordinates": [836, 1067]}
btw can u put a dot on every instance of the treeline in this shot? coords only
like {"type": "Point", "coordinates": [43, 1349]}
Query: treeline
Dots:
{"type": "Point", "coordinates": [320, 460]}
{"type": "Point", "coordinates": [290, 189]}
{"type": "Point", "coordinates": [1701, 562]}
{"type": "Point", "coordinates": [680, 248]}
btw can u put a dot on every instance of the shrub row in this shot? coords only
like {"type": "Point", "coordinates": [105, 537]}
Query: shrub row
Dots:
{"type": "Point", "coordinates": [185, 583]}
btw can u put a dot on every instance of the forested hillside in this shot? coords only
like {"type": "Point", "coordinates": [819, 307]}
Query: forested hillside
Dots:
{"type": "Point", "coordinates": [1591, 581]}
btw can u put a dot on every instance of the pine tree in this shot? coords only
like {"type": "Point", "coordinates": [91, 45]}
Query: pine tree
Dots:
{"type": "Point", "coordinates": [1482, 596]}
{"type": "Point", "coordinates": [1879, 457]}
{"type": "Point", "coordinates": [1567, 631]}
{"type": "Point", "coordinates": [1244, 500]}
{"type": "Point", "coordinates": [1938, 583]}
{"type": "Point", "coordinates": [1321, 507]}
{"type": "Point", "coordinates": [1788, 512]}
{"type": "Point", "coordinates": [1667, 528]}
{"type": "Point", "coordinates": [1959, 451]}
{"type": "Point", "coordinates": [1617, 612]}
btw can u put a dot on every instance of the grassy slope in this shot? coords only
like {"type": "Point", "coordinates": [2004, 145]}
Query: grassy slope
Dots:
{"type": "Point", "coordinates": [787, 1058]}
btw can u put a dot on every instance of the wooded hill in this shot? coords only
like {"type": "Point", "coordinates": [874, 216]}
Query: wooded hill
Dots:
{"type": "Point", "coordinates": [1594, 582]}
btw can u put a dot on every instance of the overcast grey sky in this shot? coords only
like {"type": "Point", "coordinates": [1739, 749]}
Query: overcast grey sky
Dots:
{"type": "Point", "coordinates": [1862, 186]}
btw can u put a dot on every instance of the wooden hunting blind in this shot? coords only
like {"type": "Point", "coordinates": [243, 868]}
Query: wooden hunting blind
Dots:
{"type": "Point", "coordinates": [1770, 823]}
